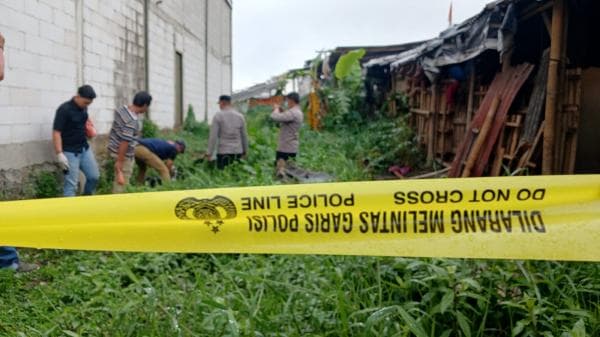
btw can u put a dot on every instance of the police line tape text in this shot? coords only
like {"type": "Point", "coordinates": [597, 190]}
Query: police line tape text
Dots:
{"type": "Point", "coordinates": [416, 222]}
{"type": "Point", "coordinates": [297, 201]}
{"type": "Point", "coordinates": [457, 196]}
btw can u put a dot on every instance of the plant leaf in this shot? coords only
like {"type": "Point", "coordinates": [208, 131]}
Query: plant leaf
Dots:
{"type": "Point", "coordinates": [463, 322]}
{"type": "Point", "coordinates": [579, 329]}
{"type": "Point", "coordinates": [347, 62]}
{"type": "Point", "coordinates": [447, 301]}
{"type": "Point", "coordinates": [413, 325]}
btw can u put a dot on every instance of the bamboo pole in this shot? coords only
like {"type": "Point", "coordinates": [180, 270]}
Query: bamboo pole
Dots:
{"type": "Point", "coordinates": [481, 137]}
{"type": "Point", "coordinates": [470, 103]}
{"type": "Point", "coordinates": [556, 46]}
{"type": "Point", "coordinates": [432, 125]}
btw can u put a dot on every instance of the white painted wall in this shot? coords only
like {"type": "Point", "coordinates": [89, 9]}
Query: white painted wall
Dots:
{"type": "Point", "coordinates": [49, 53]}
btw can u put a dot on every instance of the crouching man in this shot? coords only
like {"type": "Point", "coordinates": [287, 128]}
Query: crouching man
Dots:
{"type": "Point", "coordinates": [159, 154]}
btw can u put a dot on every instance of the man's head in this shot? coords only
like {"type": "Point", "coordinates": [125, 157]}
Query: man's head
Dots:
{"type": "Point", "coordinates": [180, 146]}
{"type": "Point", "coordinates": [85, 96]}
{"type": "Point", "coordinates": [224, 101]}
{"type": "Point", "coordinates": [141, 102]}
{"type": "Point", "coordinates": [293, 99]}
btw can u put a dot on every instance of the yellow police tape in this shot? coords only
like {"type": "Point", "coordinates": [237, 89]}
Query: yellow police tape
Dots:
{"type": "Point", "coordinates": [545, 218]}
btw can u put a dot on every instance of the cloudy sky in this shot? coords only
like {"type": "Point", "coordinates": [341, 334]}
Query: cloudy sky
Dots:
{"type": "Point", "coordinates": [272, 36]}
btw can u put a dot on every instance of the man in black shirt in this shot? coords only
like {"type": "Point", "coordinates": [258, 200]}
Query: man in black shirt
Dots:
{"type": "Point", "coordinates": [70, 143]}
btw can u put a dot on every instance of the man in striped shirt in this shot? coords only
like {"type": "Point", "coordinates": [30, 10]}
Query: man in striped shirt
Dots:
{"type": "Point", "coordinates": [123, 138]}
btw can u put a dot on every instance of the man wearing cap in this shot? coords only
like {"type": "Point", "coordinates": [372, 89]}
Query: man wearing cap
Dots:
{"type": "Point", "coordinates": [228, 135]}
{"type": "Point", "coordinates": [290, 121]}
{"type": "Point", "coordinates": [70, 143]}
{"type": "Point", "coordinates": [123, 138]}
{"type": "Point", "coordinates": [158, 154]}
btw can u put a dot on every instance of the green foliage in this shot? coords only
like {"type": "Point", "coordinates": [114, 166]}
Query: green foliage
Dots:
{"type": "Point", "coordinates": [191, 124]}
{"type": "Point", "coordinates": [401, 103]}
{"type": "Point", "coordinates": [118, 294]}
{"type": "Point", "coordinates": [348, 62]}
{"type": "Point", "coordinates": [115, 294]}
{"type": "Point", "coordinates": [388, 142]}
{"type": "Point", "coordinates": [107, 176]}
{"type": "Point", "coordinates": [149, 129]}
{"type": "Point", "coordinates": [46, 185]}
{"type": "Point", "coordinates": [345, 97]}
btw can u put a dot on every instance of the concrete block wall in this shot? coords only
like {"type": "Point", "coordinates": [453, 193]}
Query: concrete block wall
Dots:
{"type": "Point", "coordinates": [113, 55]}
{"type": "Point", "coordinates": [180, 26]}
{"type": "Point", "coordinates": [40, 73]}
{"type": "Point", "coordinates": [219, 51]}
{"type": "Point", "coordinates": [53, 46]}
{"type": "Point", "coordinates": [162, 69]}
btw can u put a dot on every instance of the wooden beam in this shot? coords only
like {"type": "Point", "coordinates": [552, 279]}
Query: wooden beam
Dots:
{"type": "Point", "coordinates": [547, 23]}
{"type": "Point", "coordinates": [534, 9]}
{"type": "Point", "coordinates": [470, 102]}
{"type": "Point", "coordinates": [553, 87]}
{"type": "Point", "coordinates": [481, 137]}
{"type": "Point", "coordinates": [420, 112]}
{"type": "Point", "coordinates": [432, 125]}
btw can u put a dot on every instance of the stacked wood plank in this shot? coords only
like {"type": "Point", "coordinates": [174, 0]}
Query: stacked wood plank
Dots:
{"type": "Point", "coordinates": [502, 91]}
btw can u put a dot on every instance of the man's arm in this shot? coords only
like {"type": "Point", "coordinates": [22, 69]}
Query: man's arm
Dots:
{"type": "Point", "coordinates": [286, 116]}
{"type": "Point", "coordinates": [60, 156]}
{"type": "Point", "coordinates": [169, 164]}
{"type": "Point", "coordinates": [57, 140]}
{"type": "Point", "coordinates": [126, 136]}
{"type": "Point", "coordinates": [1, 57]}
{"type": "Point", "coordinates": [121, 152]}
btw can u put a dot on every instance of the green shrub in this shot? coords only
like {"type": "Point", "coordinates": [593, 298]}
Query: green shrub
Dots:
{"type": "Point", "coordinates": [345, 96]}
{"type": "Point", "coordinates": [107, 176]}
{"type": "Point", "coordinates": [149, 129]}
{"type": "Point", "coordinates": [389, 142]}
{"type": "Point", "coordinates": [46, 185]}
{"type": "Point", "coordinates": [191, 124]}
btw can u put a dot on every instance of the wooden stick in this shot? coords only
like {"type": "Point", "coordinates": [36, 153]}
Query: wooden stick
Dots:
{"type": "Point", "coordinates": [470, 102]}
{"type": "Point", "coordinates": [497, 167]}
{"type": "Point", "coordinates": [527, 155]}
{"type": "Point", "coordinates": [432, 174]}
{"type": "Point", "coordinates": [514, 140]}
{"type": "Point", "coordinates": [487, 124]}
{"type": "Point", "coordinates": [432, 125]}
{"type": "Point", "coordinates": [556, 46]}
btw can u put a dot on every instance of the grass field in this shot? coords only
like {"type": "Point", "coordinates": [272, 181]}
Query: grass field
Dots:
{"type": "Point", "coordinates": [118, 294]}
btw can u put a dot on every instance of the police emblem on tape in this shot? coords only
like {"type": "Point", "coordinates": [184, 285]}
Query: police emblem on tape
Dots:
{"type": "Point", "coordinates": [213, 211]}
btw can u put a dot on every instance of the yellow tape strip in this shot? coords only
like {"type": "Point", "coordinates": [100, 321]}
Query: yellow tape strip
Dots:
{"type": "Point", "coordinates": [545, 218]}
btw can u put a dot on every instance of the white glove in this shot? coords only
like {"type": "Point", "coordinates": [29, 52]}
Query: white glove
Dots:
{"type": "Point", "coordinates": [63, 161]}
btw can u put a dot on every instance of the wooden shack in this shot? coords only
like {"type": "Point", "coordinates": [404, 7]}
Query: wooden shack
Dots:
{"type": "Point", "coordinates": [513, 90]}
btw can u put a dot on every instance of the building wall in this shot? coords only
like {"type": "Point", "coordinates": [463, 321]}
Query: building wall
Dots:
{"type": "Point", "coordinates": [40, 73]}
{"type": "Point", "coordinates": [113, 54]}
{"type": "Point", "coordinates": [219, 53]}
{"type": "Point", "coordinates": [53, 46]}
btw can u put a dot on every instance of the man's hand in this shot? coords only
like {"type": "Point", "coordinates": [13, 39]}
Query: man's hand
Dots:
{"type": "Point", "coordinates": [118, 165]}
{"type": "Point", "coordinates": [208, 156]}
{"type": "Point", "coordinates": [120, 178]}
{"type": "Point", "coordinates": [2, 40]}
{"type": "Point", "coordinates": [277, 107]}
{"type": "Point", "coordinates": [63, 161]}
